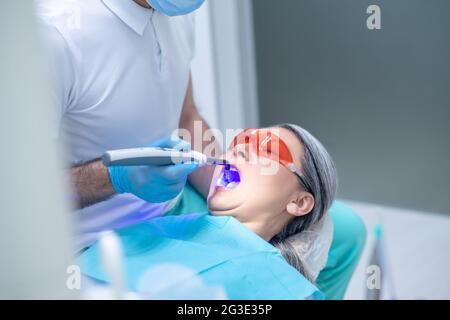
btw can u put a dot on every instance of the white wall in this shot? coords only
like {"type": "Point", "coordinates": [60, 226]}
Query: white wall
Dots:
{"type": "Point", "coordinates": [34, 226]}
{"type": "Point", "coordinates": [203, 69]}
{"type": "Point", "coordinates": [417, 258]}
{"type": "Point", "coordinates": [224, 69]}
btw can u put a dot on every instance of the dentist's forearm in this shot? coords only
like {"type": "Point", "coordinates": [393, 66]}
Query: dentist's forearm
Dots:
{"type": "Point", "coordinates": [200, 179]}
{"type": "Point", "coordinates": [91, 183]}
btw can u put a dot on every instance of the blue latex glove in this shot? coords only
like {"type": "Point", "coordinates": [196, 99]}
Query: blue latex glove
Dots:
{"type": "Point", "coordinates": [154, 184]}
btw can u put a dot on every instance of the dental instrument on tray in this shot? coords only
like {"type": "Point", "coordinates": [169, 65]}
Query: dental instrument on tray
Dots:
{"type": "Point", "coordinates": [158, 157]}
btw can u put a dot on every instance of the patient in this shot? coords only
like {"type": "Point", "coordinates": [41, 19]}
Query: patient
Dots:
{"type": "Point", "coordinates": [254, 242]}
{"type": "Point", "coordinates": [277, 206]}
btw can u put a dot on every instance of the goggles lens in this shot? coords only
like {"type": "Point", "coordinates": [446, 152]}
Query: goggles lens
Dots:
{"type": "Point", "coordinates": [265, 144]}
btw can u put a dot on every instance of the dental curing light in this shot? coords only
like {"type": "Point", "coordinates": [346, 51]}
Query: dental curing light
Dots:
{"type": "Point", "coordinates": [157, 157]}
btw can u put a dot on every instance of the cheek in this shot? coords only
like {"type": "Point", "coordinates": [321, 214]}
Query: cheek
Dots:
{"type": "Point", "coordinates": [270, 193]}
{"type": "Point", "coordinates": [273, 190]}
{"type": "Point", "coordinates": [256, 193]}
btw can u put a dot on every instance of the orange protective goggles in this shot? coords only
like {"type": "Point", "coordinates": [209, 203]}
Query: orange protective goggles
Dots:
{"type": "Point", "coordinates": [268, 145]}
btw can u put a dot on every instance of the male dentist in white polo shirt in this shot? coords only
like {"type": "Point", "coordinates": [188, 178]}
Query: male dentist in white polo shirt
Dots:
{"type": "Point", "coordinates": [122, 80]}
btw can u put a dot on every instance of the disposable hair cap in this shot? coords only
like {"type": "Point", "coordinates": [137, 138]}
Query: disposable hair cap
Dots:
{"type": "Point", "coordinates": [313, 244]}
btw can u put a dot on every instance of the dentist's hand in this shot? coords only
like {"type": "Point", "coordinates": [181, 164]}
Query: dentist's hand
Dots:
{"type": "Point", "coordinates": [154, 183]}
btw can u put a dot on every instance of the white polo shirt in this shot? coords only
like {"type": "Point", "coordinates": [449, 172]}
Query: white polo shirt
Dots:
{"type": "Point", "coordinates": [121, 75]}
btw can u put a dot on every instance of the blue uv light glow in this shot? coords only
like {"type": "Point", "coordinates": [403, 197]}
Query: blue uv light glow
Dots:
{"type": "Point", "coordinates": [229, 177]}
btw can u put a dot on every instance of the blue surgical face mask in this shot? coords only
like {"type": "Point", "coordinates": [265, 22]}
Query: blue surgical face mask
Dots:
{"type": "Point", "coordinates": [175, 7]}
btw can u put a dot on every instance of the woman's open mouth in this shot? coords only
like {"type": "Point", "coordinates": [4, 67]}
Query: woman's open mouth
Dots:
{"type": "Point", "coordinates": [229, 178]}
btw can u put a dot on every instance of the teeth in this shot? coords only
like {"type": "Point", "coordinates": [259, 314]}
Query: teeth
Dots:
{"type": "Point", "coordinates": [232, 185]}
{"type": "Point", "coordinates": [229, 178]}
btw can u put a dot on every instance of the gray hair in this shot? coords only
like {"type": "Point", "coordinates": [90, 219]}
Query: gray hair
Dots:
{"type": "Point", "coordinates": [319, 177]}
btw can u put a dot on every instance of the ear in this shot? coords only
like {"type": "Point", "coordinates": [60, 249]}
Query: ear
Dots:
{"type": "Point", "coordinates": [301, 205]}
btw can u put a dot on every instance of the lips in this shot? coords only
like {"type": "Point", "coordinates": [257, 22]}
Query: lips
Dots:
{"type": "Point", "coordinates": [229, 178]}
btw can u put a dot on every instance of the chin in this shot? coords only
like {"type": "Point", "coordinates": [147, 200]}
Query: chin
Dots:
{"type": "Point", "coordinates": [223, 203]}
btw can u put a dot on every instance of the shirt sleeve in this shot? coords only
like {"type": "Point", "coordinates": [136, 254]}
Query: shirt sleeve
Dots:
{"type": "Point", "coordinates": [193, 34]}
{"type": "Point", "coordinates": [61, 69]}
{"type": "Point", "coordinates": [187, 33]}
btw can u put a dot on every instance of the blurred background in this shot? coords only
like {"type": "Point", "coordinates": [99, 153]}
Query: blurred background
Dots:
{"type": "Point", "coordinates": [379, 100]}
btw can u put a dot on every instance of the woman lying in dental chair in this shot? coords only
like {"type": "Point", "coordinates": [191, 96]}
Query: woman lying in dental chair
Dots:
{"type": "Point", "coordinates": [267, 232]}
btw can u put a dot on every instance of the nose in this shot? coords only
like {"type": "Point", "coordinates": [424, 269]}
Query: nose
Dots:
{"type": "Point", "coordinates": [233, 159]}
{"type": "Point", "coordinates": [229, 156]}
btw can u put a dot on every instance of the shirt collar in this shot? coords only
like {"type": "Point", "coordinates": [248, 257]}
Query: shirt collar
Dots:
{"type": "Point", "coordinates": [132, 14]}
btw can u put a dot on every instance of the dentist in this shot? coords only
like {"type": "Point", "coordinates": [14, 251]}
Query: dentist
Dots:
{"type": "Point", "coordinates": [122, 80]}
